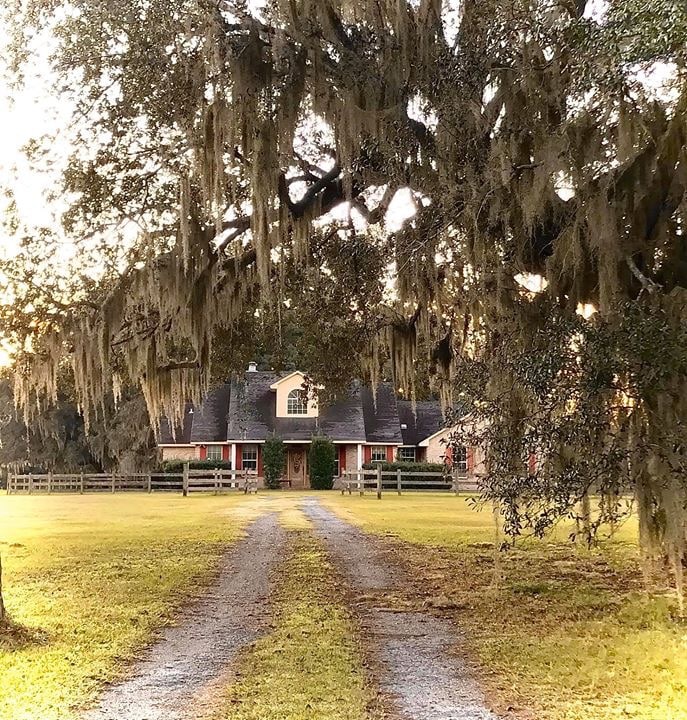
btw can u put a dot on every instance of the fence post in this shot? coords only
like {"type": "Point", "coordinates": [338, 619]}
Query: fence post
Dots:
{"type": "Point", "coordinates": [455, 487]}
{"type": "Point", "coordinates": [184, 481]}
{"type": "Point", "coordinates": [398, 480]}
{"type": "Point", "coordinates": [114, 480]}
{"type": "Point", "coordinates": [361, 482]}
{"type": "Point", "coordinates": [150, 483]}
{"type": "Point", "coordinates": [343, 483]}
{"type": "Point", "coordinates": [81, 483]}
{"type": "Point", "coordinates": [9, 483]}
{"type": "Point", "coordinates": [379, 481]}
{"type": "Point", "coordinates": [245, 483]}
{"type": "Point", "coordinates": [49, 481]}
{"type": "Point", "coordinates": [30, 483]}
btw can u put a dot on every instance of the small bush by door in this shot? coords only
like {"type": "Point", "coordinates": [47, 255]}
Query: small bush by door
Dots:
{"type": "Point", "coordinates": [322, 460]}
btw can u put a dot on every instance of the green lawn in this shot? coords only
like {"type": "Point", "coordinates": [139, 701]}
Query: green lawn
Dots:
{"type": "Point", "coordinates": [91, 579]}
{"type": "Point", "coordinates": [565, 634]}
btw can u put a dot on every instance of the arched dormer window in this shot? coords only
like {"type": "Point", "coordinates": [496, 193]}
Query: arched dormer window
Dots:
{"type": "Point", "coordinates": [297, 403]}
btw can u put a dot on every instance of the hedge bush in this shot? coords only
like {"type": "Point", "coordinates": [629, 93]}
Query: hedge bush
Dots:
{"type": "Point", "coordinates": [408, 466]}
{"type": "Point", "coordinates": [322, 462]}
{"type": "Point", "coordinates": [273, 461]}
{"type": "Point", "coordinates": [175, 466]}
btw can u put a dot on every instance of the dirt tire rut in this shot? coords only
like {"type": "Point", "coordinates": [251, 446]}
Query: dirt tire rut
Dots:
{"type": "Point", "coordinates": [419, 670]}
{"type": "Point", "coordinates": [178, 674]}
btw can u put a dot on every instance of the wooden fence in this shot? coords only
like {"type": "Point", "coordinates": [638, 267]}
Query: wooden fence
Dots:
{"type": "Point", "coordinates": [406, 481]}
{"type": "Point", "coordinates": [186, 482]}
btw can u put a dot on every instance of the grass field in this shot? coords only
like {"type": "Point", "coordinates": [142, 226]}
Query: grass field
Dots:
{"type": "Point", "coordinates": [565, 634]}
{"type": "Point", "coordinates": [90, 579]}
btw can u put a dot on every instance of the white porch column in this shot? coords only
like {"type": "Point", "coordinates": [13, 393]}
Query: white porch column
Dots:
{"type": "Point", "coordinates": [360, 457]}
{"type": "Point", "coordinates": [233, 456]}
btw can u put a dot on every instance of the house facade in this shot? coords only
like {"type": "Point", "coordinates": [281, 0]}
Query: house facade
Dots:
{"type": "Point", "coordinates": [237, 417]}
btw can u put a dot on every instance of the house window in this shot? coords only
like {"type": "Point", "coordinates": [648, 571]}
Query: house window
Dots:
{"type": "Point", "coordinates": [249, 457]}
{"type": "Point", "coordinates": [460, 458]}
{"type": "Point", "coordinates": [297, 403]}
{"type": "Point", "coordinates": [406, 454]}
{"type": "Point", "coordinates": [378, 454]}
{"type": "Point", "coordinates": [214, 452]}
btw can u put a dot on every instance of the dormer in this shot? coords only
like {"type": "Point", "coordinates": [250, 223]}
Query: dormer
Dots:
{"type": "Point", "coordinates": [292, 401]}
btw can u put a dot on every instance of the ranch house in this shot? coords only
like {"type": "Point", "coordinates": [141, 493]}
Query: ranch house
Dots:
{"type": "Point", "coordinates": [236, 417]}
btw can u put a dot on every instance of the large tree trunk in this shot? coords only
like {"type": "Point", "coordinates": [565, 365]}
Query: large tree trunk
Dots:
{"type": "Point", "coordinates": [2, 602]}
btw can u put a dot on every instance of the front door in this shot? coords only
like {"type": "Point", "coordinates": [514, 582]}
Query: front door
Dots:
{"type": "Point", "coordinates": [296, 467]}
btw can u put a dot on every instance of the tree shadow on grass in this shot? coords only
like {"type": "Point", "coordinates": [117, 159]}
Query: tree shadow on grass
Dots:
{"type": "Point", "coordinates": [15, 636]}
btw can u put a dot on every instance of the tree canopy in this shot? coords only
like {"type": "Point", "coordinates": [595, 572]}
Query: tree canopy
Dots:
{"type": "Point", "coordinates": [236, 160]}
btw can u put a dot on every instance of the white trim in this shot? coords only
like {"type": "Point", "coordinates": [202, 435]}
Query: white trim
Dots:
{"type": "Point", "coordinates": [241, 442]}
{"type": "Point", "coordinates": [274, 385]}
{"type": "Point", "coordinates": [180, 445]}
{"type": "Point", "coordinates": [232, 456]}
{"type": "Point", "coordinates": [425, 442]}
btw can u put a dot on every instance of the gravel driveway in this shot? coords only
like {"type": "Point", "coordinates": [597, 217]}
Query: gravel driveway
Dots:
{"type": "Point", "coordinates": [177, 676]}
{"type": "Point", "coordinates": [419, 670]}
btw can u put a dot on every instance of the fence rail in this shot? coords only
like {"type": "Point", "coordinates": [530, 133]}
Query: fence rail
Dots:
{"type": "Point", "coordinates": [186, 482]}
{"type": "Point", "coordinates": [406, 481]}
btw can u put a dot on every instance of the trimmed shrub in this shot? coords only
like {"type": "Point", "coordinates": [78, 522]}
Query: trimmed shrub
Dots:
{"type": "Point", "coordinates": [408, 466]}
{"type": "Point", "coordinates": [322, 462]}
{"type": "Point", "coordinates": [273, 461]}
{"type": "Point", "coordinates": [177, 466]}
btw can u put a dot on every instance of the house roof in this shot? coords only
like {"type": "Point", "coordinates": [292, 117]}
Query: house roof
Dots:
{"type": "Point", "coordinates": [245, 409]}
{"type": "Point", "coordinates": [421, 424]}
{"type": "Point", "coordinates": [181, 434]}
{"type": "Point", "coordinates": [381, 414]}
{"type": "Point", "coordinates": [210, 419]}
{"type": "Point", "coordinates": [252, 413]}
{"type": "Point", "coordinates": [281, 379]}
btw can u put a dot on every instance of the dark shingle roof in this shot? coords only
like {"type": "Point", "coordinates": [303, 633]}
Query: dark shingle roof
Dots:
{"type": "Point", "coordinates": [182, 435]}
{"type": "Point", "coordinates": [381, 415]}
{"type": "Point", "coordinates": [245, 410]}
{"type": "Point", "coordinates": [210, 419]}
{"type": "Point", "coordinates": [252, 406]}
{"type": "Point", "coordinates": [426, 420]}
{"type": "Point", "coordinates": [252, 414]}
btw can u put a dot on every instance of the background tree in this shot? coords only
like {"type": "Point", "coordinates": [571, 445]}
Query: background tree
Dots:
{"type": "Point", "coordinates": [321, 463]}
{"type": "Point", "coordinates": [274, 461]}
{"type": "Point", "coordinates": [259, 151]}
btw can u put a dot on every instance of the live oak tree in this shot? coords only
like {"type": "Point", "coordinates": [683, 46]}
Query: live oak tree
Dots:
{"type": "Point", "coordinates": [214, 139]}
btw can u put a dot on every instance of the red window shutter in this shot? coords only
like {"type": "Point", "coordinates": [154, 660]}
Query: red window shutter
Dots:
{"type": "Point", "coordinates": [532, 463]}
{"type": "Point", "coordinates": [470, 456]}
{"type": "Point", "coordinates": [367, 454]}
{"type": "Point", "coordinates": [225, 452]}
{"type": "Point", "coordinates": [239, 458]}
{"type": "Point", "coordinates": [389, 453]}
{"type": "Point", "coordinates": [342, 458]}
{"type": "Point", "coordinates": [260, 460]}
{"type": "Point", "coordinates": [203, 452]}
{"type": "Point", "coordinates": [448, 456]}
